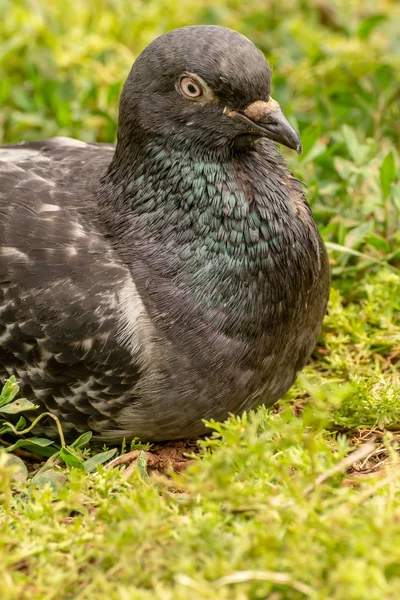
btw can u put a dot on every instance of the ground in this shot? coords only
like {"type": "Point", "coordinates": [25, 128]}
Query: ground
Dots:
{"type": "Point", "coordinates": [299, 501]}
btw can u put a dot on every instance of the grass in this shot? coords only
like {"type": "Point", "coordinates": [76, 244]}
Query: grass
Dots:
{"type": "Point", "coordinates": [302, 501]}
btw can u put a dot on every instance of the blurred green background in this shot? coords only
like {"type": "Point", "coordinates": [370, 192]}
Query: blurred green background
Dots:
{"type": "Point", "coordinates": [336, 71]}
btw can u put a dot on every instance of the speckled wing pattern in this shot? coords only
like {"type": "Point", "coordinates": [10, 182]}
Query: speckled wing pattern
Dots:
{"type": "Point", "coordinates": [60, 285]}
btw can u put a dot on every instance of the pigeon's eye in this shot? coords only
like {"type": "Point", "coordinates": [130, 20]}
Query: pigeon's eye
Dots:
{"type": "Point", "coordinates": [190, 87]}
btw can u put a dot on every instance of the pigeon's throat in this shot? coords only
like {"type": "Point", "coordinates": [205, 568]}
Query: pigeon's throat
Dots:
{"type": "Point", "coordinates": [245, 209]}
{"type": "Point", "coordinates": [226, 232]}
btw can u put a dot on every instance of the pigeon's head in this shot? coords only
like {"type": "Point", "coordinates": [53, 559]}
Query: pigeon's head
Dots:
{"type": "Point", "coordinates": [207, 87]}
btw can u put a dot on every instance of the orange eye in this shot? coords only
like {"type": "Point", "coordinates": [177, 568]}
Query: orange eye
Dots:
{"type": "Point", "coordinates": [190, 87]}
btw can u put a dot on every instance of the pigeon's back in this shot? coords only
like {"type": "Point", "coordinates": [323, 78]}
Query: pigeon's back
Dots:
{"type": "Point", "coordinates": [59, 281]}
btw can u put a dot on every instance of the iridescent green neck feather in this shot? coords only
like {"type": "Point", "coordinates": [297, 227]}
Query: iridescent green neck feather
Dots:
{"type": "Point", "coordinates": [225, 235]}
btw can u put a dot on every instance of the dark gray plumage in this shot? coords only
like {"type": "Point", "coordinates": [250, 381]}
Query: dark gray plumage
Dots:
{"type": "Point", "coordinates": [177, 278]}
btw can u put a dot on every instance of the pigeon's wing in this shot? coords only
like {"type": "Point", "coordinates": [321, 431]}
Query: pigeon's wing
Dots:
{"type": "Point", "coordinates": [61, 327]}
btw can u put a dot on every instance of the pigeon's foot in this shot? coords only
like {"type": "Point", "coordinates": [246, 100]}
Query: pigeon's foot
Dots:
{"type": "Point", "coordinates": [162, 458]}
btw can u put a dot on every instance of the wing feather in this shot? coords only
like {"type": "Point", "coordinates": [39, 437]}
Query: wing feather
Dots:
{"type": "Point", "coordinates": [61, 283]}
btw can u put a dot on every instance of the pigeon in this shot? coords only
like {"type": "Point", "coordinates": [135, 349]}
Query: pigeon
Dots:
{"type": "Point", "coordinates": [171, 279]}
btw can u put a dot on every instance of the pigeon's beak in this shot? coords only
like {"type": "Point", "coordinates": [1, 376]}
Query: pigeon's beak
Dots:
{"type": "Point", "coordinates": [268, 120]}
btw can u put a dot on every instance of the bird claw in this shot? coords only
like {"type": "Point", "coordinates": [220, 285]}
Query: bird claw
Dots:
{"type": "Point", "coordinates": [167, 457]}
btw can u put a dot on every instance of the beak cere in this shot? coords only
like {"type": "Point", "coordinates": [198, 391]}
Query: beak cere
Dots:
{"type": "Point", "coordinates": [268, 120]}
